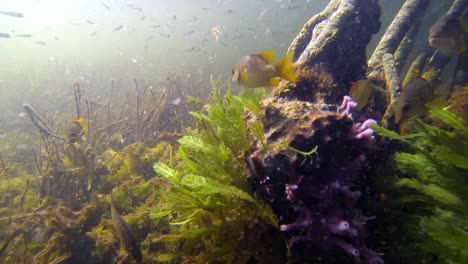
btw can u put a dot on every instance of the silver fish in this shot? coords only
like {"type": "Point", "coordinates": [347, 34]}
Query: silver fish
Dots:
{"type": "Point", "coordinates": [12, 14]}
{"type": "Point", "coordinates": [4, 35]}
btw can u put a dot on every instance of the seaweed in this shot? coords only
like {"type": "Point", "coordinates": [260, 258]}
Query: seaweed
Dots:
{"type": "Point", "coordinates": [216, 217]}
{"type": "Point", "coordinates": [433, 182]}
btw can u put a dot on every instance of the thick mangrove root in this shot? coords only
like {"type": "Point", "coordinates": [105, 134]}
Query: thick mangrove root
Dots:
{"type": "Point", "coordinates": [333, 44]}
{"type": "Point", "coordinates": [393, 86]}
{"type": "Point", "coordinates": [306, 174]}
{"type": "Point", "coordinates": [410, 11]}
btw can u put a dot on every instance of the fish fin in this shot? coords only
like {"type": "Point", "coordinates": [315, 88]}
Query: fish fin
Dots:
{"type": "Point", "coordinates": [284, 68]}
{"type": "Point", "coordinates": [268, 56]}
{"type": "Point", "coordinates": [378, 88]}
{"type": "Point", "coordinates": [273, 82]}
{"type": "Point", "coordinates": [437, 103]}
{"type": "Point", "coordinates": [243, 76]}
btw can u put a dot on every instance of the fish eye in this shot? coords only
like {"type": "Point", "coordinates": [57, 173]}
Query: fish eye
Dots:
{"type": "Point", "coordinates": [406, 108]}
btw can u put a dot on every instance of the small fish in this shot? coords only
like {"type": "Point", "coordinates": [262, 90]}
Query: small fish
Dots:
{"type": "Point", "coordinates": [119, 27]}
{"type": "Point", "coordinates": [4, 35]}
{"type": "Point", "coordinates": [413, 99]}
{"type": "Point", "coordinates": [216, 32]}
{"type": "Point", "coordinates": [165, 35]}
{"type": "Point", "coordinates": [90, 22]}
{"type": "Point", "coordinates": [192, 49]}
{"type": "Point", "coordinates": [105, 6]}
{"type": "Point", "coordinates": [76, 130]}
{"type": "Point", "coordinates": [127, 240]}
{"type": "Point", "coordinates": [12, 14]}
{"type": "Point", "coordinates": [361, 91]}
{"type": "Point", "coordinates": [23, 35]}
{"type": "Point", "coordinates": [40, 43]}
{"type": "Point", "coordinates": [156, 26]}
{"type": "Point", "coordinates": [134, 7]}
{"type": "Point", "coordinates": [189, 33]}
{"type": "Point", "coordinates": [257, 70]}
{"type": "Point", "coordinates": [229, 11]}
{"type": "Point", "coordinates": [237, 36]}
{"type": "Point", "coordinates": [449, 34]}
{"type": "Point", "coordinates": [93, 33]}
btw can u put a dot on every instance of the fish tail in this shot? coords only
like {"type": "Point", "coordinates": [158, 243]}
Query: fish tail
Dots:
{"type": "Point", "coordinates": [284, 68]}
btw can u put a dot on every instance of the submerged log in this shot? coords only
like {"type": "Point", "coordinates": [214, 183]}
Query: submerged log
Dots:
{"type": "Point", "coordinates": [398, 29]}
{"type": "Point", "coordinates": [330, 50]}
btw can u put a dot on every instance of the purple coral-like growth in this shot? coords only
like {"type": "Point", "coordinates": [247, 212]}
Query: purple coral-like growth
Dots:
{"type": "Point", "coordinates": [316, 202]}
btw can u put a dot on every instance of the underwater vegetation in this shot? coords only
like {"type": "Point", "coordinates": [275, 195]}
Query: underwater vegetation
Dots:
{"type": "Point", "coordinates": [286, 177]}
{"type": "Point", "coordinates": [433, 185]}
{"type": "Point", "coordinates": [216, 216]}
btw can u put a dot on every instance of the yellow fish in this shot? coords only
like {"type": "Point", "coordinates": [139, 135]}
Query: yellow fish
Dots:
{"type": "Point", "coordinates": [361, 92]}
{"type": "Point", "coordinates": [76, 130]}
{"type": "Point", "coordinates": [257, 70]}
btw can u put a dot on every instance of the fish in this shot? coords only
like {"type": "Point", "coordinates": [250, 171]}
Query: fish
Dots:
{"type": "Point", "coordinates": [40, 43]}
{"type": "Point", "coordinates": [230, 11]}
{"type": "Point", "coordinates": [156, 26]}
{"type": "Point", "coordinates": [189, 33]}
{"type": "Point", "coordinates": [105, 6]}
{"type": "Point", "coordinates": [165, 35]}
{"type": "Point", "coordinates": [126, 237]}
{"type": "Point", "coordinates": [76, 130]}
{"type": "Point", "coordinates": [90, 22]}
{"type": "Point", "coordinates": [361, 92]}
{"type": "Point", "coordinates": [192, 49]}
{"type": "Point", "coordinates": [449, 34]}
{"type": "Point", "coordinates": [4, 35]}
{"type": "Point", "coordinates": [134, 7]}
{"type": "Point", "coordinates": [23, 35]}
{"type": "Point", "coordinates": [12, 14]}
{"type": "Point", "coordinates": [237, 36]}
{"type": "Point", "coordinates": [216, 32]}
{"type": "Point", "coordinates": [413, 99]}
{"type": "Point", "coordinates": [119, 27]}
{"type": "Point", "coordinates": [257, 70]}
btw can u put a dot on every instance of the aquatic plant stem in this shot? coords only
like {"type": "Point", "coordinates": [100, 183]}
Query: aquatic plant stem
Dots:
{"type": "Point", "coordinates": [137, 90]}
{"type": "Point", "coordinates": [111, 87]}
{"type": "Point", "coordinates": [401, 24]}
{"type": "Point", "coordinates": [77, 93]}
{"type": "Point", "coordinates": [393, 86]}
{"type": "Point", "coordinates": [42, 126]}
